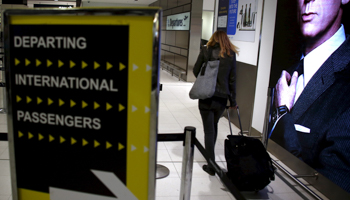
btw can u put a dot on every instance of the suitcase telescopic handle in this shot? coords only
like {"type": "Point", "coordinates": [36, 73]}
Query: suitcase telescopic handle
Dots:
{"type": "Point", "coordinates": [239, 120]}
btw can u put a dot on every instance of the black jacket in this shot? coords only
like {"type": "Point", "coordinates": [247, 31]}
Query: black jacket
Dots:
{"type": "Point", "coordinates": [226, 81]}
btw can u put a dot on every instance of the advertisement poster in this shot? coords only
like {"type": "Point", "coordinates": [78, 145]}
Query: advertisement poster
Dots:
{"type": "Point", "coordinates": [238, 18]}
{"type": "Point", "coordinates": [310, 116]}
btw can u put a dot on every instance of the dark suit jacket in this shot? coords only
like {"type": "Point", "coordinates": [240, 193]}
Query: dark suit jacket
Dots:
{"type": "Point", "coordinates": [324, 108]}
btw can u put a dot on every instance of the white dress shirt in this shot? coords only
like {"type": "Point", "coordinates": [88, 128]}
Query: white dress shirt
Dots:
{"type": "Point", "coordinates": [314, 60]}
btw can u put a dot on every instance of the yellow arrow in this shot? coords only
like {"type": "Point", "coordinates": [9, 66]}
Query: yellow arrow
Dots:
{"type": "Point", "coordinates": [96, 105]}
{"type": "Point", "coordinates": [121, 66]}
{"type": "Point", "coordinates": [37, 62]}
{"type": "Point", "coordinates": [60, 63]}
{"type": "Point", "coordinates": [85, 142]}
{"type": "Point", "coordinates": [60, 102]}
{"type": "Point", "coordinates": [49, 101]}
{"type": "Point", "coordinates": [51, 138]}
{"type": "Point", "coordinates": [121, 107]}
{"type": "Point", "coordinates": [96, 65]}
{"type": "Point", "coordinates": [83, 104]}
{"type": "Point", "coordinates": [96, 144]}
{"type": "Point", "coordinates": [108, 106]}
{"type": "Point", "coordinates": [109, 65]}
{"type": "Point", "coordinates": [17, 62]}
{"type": "Point", "coordinates": [71, 64]}
{"type": "Point", "coordinates": [27, 62]}
{"type": "Point", "coordinates": [38, 100]}
{"type": "Point", "coordinates": [30, 135]}
{"type": "Point", "coordinates": [29, 99]}
{"type": "Point", "coordinates": [120, 146]}
{"type": "Point", "coordinates": [18, 99]}
{"type": "Point", "coordinates": [48, 63]}
{"type": "Point", "coordinates": [62, 139]}
{"type": "Point", "coordinates": [108, 145]}
{"type": "Point", "coordinates": [40, 136]}
{"type": "Point", "coordinates": [20, 134]}
{"type": "Point", "coordinates": [72, 103]}
{"type": "Point", "coordinates": [83, 64]}
{"type": "Point", "coordinates": [72, 141]}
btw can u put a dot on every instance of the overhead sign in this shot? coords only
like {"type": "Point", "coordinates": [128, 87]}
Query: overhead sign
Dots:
{"type": "Point", "coordinates": [178, 22]}
{"type": "Point", "coordinates": [81, 102]}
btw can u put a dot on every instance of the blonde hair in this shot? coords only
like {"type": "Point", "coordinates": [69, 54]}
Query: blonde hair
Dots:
{"type": "Point", "coordinates": [225, 43]}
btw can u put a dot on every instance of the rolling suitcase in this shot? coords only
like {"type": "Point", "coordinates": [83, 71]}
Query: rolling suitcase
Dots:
{"type": "Point", "coordinates": [249, 166]}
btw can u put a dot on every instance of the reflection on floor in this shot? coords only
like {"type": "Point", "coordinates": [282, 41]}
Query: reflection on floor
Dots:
{"type": "Point", "coordinates": [177, 110]}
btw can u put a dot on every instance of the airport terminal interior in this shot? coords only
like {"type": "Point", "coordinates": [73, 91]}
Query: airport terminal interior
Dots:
{"type": "Point", "coordinates": [176, 111]}
{"type": "Point", "coordinates": [178, 49]}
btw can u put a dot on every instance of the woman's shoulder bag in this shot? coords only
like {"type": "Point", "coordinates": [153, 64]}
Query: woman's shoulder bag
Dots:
{"type": "Point", "coordinates": [204, 86]}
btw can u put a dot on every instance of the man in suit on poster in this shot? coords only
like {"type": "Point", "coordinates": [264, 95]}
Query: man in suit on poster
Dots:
{"type": "Point", "coordinates": [312, 100]}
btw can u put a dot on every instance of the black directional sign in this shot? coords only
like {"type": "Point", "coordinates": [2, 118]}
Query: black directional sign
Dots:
{"type": "Point", "coordinates": [79, 90]}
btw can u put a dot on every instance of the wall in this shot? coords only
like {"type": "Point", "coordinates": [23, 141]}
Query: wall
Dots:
{"type": "Point", "coordinates": [264, 64]}
{"type": "Point", "coordinates": [181, 47]}
{"type": "Point", "coordinates": [207, 25]}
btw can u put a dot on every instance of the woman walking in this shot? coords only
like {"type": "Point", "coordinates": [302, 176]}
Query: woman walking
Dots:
{"type": "Point", "coordinates": [211, 109]}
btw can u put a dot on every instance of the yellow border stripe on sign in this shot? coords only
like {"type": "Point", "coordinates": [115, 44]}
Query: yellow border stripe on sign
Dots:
{"type": "Point", "coordinates": [24, 194]}
{"type": "Point", "coordinates": [139, 87]}
{"type": "Point", "coordinates": [139, 96]}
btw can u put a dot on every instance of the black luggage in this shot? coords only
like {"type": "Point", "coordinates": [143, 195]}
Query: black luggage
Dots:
{"type": "Point", "coordinates": [248, 163]}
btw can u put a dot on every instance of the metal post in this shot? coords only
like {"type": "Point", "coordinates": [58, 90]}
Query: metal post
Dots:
{"type": "Point", "coordinates": [187, 163]}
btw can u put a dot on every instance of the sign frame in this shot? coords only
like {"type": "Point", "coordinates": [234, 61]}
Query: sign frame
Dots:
{"type": "Point", "coordinates": [151, 121]}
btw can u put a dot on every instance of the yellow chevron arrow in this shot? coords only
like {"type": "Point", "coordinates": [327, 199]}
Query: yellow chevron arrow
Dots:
{"type": "Point", "coordinates": [48, 63]}
{"type": "Point", "coordinates": [72, 103]}
{"type": "Point", "coordinates": [108, 106]}
{"type": "Point", "coordinates": [85, 142]}
{"type": "Point", "coordinates": [40, 136]}
{"type": "Point", "coordinates": [71, 64]}
{"type": "Point", "coordinates": [60, 63]}
{"type": "Point", "coordinates": [60, 102]}
{"type": "Point", "coordinates": [37, 62]}
{"type": "Point", "coordinates": [121, 66]}
{"type": "Point", "coordinates": [62, 139]}
{"type": "Point", "coordinates": [20, 134]}
{"type": "Point", "coordinates": [120, 146]}
{"type": "Point", "coordinates": [30, 135]}
{"type": "Point", "coordinates": [17, 61]}
{"type": "Point", "coordinates": [108, 65]}
{"type": "Point", "coordinates": [121, 107]}
{"type": "Point", "coordinates": [29, 99]}
{"type": "Point", "coordinates": [18, 98]}
{"type": "Point", "coordinates": [96, 144]}
{"type": "Point", "coordinates": [108, 145]}
{"type": "Point", "coordinates": [83, 64]}
{"type": "Point", "coordinates": [83, 104]}
{"type": "Point", "coordinates": [49, 101]}
{"type": "Point", "coordinates": [51, 138]}
{"type": "Point", "coordinates": [27, 62]}
{"type": "Point", "coordinates": [38, 100]}
{"type": "Point", "coordinates": [72, 141]}
{"type": "Point", "coordinates": [96, 105]}
{"type": "Point", "coordinates": [96, 65]}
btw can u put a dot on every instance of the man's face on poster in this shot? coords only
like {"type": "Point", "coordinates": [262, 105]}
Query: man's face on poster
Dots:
{"type": "Point", "coordinates": [318, 18]}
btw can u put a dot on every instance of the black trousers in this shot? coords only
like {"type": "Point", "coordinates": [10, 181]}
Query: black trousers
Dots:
{"type": "Point", "coordinates": [211, 111]}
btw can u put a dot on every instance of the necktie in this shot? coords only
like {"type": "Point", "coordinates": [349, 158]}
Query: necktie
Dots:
{"type": "Point", "coordinates": [300, 67]}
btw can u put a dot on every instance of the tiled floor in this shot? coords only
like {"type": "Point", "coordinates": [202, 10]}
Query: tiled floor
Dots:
{"type": "Point", "coordinates": [177, 110]}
